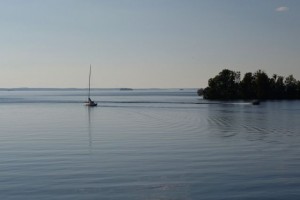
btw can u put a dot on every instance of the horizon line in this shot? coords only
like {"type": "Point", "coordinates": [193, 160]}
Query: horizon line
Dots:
{"type": "Point", "coordinates": [85, 88]}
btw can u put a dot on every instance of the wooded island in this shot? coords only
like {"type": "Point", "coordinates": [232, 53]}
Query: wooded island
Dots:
{"type": "Point", "coordinates": [227, 85]}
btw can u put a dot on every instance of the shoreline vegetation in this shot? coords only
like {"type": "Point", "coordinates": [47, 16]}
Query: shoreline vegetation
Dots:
{"type": "Point", "coordinates": [228, 85]}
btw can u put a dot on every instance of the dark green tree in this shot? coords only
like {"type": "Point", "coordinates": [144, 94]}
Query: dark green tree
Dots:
{"type": "Point", "coordinates": [291, 87]}
{"type": "Point", "coordinates": [223, 86]}
{"type": "Point", "coordinates": [200, 92]}
{"type": "Point", "coordinates": [298, 89]}
{"type": "Point", "coordinates": [279, 92]}
{"type": "Point", "coordinates": [227, 85]}
{"type": "Point", "coordinates": [247, 89]}
{"type": "Point", "coordinates": [211, 92]}
{"type": "Point", "coordinates": [262, 85]}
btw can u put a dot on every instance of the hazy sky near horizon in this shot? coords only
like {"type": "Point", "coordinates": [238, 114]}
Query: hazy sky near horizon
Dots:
{"type": "Point", "coordinates": [144, 43]}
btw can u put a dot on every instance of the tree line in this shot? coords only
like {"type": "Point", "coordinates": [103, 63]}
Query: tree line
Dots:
{"type": "Point", "coordinates": [229, 85]}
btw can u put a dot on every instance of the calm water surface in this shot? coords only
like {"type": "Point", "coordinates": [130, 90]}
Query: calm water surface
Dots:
{"type": "Point", "coordinates": [146, 144]}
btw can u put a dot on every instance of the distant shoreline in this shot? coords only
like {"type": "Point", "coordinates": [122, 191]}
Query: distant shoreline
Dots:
{"type": "Point", "coordinates": [80, 89]}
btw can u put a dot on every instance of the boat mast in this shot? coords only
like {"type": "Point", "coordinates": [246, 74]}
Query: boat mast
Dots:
{"type": "Point", "coordinates": [90, 81]}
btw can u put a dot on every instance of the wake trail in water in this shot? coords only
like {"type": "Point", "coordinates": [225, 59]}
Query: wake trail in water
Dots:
{"type": "Point", "coordinates": [21, 100]}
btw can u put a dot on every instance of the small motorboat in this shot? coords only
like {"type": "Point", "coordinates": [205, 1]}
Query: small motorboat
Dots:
{"type": "Point", "coordinates": [255, 102]}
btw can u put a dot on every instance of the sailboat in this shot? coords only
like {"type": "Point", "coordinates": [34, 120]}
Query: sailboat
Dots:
{"type": "Point", "coordinates": [90, 103]}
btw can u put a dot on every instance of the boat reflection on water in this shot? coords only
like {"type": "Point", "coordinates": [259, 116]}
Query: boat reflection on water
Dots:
{"type": "Point", "coordinates": [89, 109]}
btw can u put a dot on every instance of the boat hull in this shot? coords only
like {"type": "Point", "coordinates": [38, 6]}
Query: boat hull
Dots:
{"type": "Point", "coordinates": [255, 102]}
{"type": "Point", "coordinates": [91, 104]}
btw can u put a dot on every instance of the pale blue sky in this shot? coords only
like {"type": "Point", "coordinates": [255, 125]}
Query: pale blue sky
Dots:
{"type": "Point", "coordinates": [144, 43]}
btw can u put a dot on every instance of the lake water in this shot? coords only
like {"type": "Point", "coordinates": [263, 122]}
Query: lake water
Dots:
{"type": "Point", "coordinates": [146, 144]}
